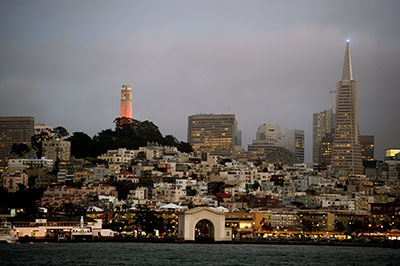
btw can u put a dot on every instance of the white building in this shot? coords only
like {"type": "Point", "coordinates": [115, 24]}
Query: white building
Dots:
{"type": "Point", "coordinates": [22, 164]}
{"type": "Point", "coordinates": [120, 156]}
{"type": "Point", "coordinates": [141, 193]}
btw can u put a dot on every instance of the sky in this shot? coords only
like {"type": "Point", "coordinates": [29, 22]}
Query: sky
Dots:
{"type": "Point", "coordinates": [271, 62]}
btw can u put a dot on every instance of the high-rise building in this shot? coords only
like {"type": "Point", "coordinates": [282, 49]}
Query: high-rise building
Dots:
{"type": "Point", "coordinates": [322, 125]}
{"type": "Point", "coordinates": [238, 138]}
{"type": "Point", "coordinates": [325, 150]}
{"type": "Point", "coordinates": [213, 133]}
{"type": "Point", "coordinates": [346, 150]}
{"type": "Point", "coordinates": [14, 129]}
{"type": "Point", "coordinates": [126, 101]}
{"type": "Point", "coordinates": [367, 147]}
{"type": "Point", "coordinates": [269, 138]}
{"type": "Point", "coordinates": [293, 140]}
{"type": "Point", "coordinates": [266, 138]}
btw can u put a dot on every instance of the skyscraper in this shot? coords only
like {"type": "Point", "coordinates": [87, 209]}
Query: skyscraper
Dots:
{"type": "Point", "coordinates": [126, 101]}
{"type": "Point", "coordinates": [213, 133]}
{"type": "Point", "coordinates": [346, 150]}
{"type": "Point", "coordinates": [322, 125]}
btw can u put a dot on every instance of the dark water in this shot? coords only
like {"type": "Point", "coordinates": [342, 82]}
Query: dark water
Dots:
{"type": "Point", "coordinates": [192, 254]}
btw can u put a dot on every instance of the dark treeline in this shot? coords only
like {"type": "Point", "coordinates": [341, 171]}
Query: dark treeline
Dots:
{"type": "Point", "coordinates": [128, 133]}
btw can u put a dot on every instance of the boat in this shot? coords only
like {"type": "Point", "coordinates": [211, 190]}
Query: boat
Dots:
{"type": "Point", "coordinates": [7, 233]}
{"type": "Point", "coordinates": [82, 232]}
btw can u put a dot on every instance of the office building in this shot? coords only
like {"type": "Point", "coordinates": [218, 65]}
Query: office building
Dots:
{"type": "Point", "coordinates": [213, 133]}
{"type": "Point", "coordinates": [325, 150]}
{"type": "Point", "coordinates": [269, 138]}
{"type": "Point", "coordinates": [266, 138]}
{"type": "Point", "coordinates": [17, 129]}
{"type": "Point", "coordinates": [293, 140]}
{"type": "Point", "coordinates": [346, 150]}
{"type": "Point", "coordinates": [390, 154]}
{"type": "Point", "coordinates": [367, 147]}
{"type": "Point", "coordinates": [323, 124]}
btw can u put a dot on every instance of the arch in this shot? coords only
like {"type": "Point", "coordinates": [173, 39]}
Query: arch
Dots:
{"type": "Point", "coordinates": [210, 221]}
{"type": "Point", "coordinates": [204, 231]}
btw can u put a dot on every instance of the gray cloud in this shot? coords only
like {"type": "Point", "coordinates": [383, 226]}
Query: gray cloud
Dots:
{"type": "Point", "coordinates": [263, 61]}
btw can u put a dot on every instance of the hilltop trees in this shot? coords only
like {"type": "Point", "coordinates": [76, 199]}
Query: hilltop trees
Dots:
{"type": "Point", "coordinates": [81, 145]}
{"type": "Point", "coordinates": [128, 133]}
{"type": "Point", "coordinates": [60, 132]}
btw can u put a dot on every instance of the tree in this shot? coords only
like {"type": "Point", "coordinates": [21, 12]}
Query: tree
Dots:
{"type": "Point", "coordinates": [123, 123]}
{"type": "Point", "coordinates": [20, 149]}
{"type": "Point", "coordinates": [37, 143]}
{"type": "Point", "coordinates": [81, 145]}
{"type": "Point", "coordinates": [128, 133]}
{"type": "Point", "coordinates": [60, 132]}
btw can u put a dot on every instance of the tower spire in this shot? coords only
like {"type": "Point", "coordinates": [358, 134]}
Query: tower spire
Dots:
{"type": "Point", "coordinates": [347, 67]}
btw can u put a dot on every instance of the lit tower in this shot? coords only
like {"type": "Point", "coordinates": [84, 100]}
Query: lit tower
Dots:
{"type": "Point", "coordinates": [346, 151]}
{"type": "Point", "coordinates": [126, 101]}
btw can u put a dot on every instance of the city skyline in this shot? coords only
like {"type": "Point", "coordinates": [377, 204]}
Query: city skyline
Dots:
{"type": "Point", "coordinates": [257, 61]}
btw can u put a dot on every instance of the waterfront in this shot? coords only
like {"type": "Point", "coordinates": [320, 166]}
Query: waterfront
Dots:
{"type": "Point", "coordinates": [192, 254]}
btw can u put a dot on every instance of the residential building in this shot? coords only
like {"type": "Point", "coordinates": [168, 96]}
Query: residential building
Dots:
{"type": "Point", "coordinates": [14, 181]}
{"type": "Point", "coordinates": [56, 148]}
{"type": "Point", "coordinates": [43, 128]}
{"type": "Point", "coordinates": [22, 164]}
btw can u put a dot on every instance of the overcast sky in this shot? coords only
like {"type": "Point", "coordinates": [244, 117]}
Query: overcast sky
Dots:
{"type": "Point", "coordinates": [271, 62]}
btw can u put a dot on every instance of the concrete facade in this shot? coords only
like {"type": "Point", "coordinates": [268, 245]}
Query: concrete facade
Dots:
{"type": "Point", "coordinates": [322, 125]}
{"type": "Point", "coordinates": [126, 101]}
{"type": "Point", "coordinates": [213, 133]}
{"type": "Point", "coordinates": [346, 150]}
{"type": "Point", "coordinates": [189, 219]}
{"type": "Point", "coordinates": [57, 148]}
{"type": "Point", "coordinates": [14, 129]}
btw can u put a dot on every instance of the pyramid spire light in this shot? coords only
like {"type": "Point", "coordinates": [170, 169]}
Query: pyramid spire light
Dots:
{"type": "Point", "coordinates": [347, 66]}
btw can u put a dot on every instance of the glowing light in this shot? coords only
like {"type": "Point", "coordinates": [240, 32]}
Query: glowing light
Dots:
{"type": "Point", "coordinates": [348, 40]}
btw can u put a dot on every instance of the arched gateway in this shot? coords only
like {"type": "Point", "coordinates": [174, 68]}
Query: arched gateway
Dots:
{"type": "Point", "coordinates": [203, 224]}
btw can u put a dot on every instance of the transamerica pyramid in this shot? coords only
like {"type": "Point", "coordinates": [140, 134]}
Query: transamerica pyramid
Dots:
{"type": "Point", "coordinates": [346, 151]}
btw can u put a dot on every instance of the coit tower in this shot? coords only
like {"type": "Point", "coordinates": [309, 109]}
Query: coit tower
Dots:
{"type": "Point", "coordinates": [126, 102]}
